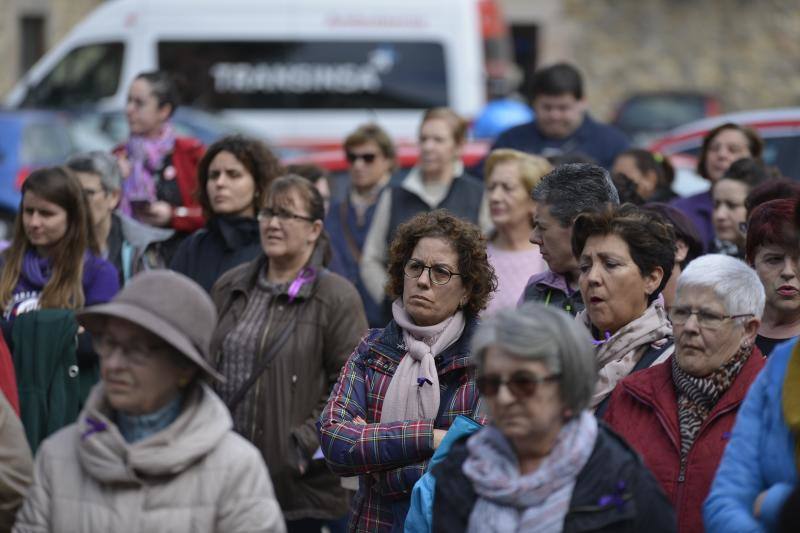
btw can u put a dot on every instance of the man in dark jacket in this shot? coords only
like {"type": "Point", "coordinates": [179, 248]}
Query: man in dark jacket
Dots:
{"type": "Point", "coordinates": [562, 125]}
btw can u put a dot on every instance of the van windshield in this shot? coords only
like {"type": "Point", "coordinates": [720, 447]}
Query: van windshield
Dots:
{"type": "Point", "coordinates": [82, 77]}
{"type": "Point", "coordinates": [308, 75]}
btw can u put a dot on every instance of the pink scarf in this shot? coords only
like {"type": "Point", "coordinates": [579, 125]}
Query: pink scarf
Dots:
{"type": "Point", "coordinates": [146, 156]}
{"type": "Point", "coordinates": [413, 392]}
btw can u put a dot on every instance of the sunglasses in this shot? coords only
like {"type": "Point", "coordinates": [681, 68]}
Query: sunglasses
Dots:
{"type": "Point", "coordinates": [521, 384]}
{"type": "Point", "coordinates": [368, 157]}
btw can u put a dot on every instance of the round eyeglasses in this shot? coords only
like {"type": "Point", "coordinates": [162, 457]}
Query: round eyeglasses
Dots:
{"type": "Point", "coordinates": [438, 274]}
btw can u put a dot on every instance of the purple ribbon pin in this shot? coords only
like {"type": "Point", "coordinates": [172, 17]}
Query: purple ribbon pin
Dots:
{"type": "Point", "coordinates": [608, 338]}
{"type": "Point", "coordinates": [95, 426]}
{"type": "Point", "coordinates": [423, 380]}
{"type": "Point", "coordinates": [615, 499]}
{"type": "Point", "coordinates": [306, 275]}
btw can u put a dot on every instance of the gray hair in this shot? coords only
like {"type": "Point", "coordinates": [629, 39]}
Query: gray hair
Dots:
{"type": "Point", "coordinates": [574, 188]}
{"type": "Point", "coordinates": [735, 284]}
{"type": "Point", "coordinates": [101, 163]}
{"type": "Point", "coordinates": [537, 332]}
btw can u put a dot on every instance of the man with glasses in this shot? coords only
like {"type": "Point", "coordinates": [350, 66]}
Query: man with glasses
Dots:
{"type": "Point", "coordinates": [370, 157]}
{"type": "Point", "coordinates": [129, 245]}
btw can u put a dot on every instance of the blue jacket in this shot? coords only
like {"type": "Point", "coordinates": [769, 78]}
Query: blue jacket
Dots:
{"type": "Point", "coordinates": [420, 515]}
{"type": "Point", "coordinates": [599, 141]}
{"type": "Point", "coordinates": [760, 456]}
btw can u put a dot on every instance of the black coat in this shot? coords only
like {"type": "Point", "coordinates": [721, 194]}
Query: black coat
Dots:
{"type": "Point", "coordinates": [613, 469]}
{"type": "Point", "coordinates": [225, 243]}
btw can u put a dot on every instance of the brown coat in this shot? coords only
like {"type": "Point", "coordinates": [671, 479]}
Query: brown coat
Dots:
{"type": "Point", "coordinates": [295, 386]}
{"type": "Point", "coordinates": [16, 464]}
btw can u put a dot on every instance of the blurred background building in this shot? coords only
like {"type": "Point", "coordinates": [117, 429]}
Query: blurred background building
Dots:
{"type": "Point", "coordinates": [742, 52]}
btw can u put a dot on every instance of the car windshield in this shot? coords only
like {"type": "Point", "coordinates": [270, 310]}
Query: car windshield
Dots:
{"type": "Point", "coordinates": [660, 113]}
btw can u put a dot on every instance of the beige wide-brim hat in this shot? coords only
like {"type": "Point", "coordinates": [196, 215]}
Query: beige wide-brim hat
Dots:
{"type": "Point", "coordinates": [168, 305]}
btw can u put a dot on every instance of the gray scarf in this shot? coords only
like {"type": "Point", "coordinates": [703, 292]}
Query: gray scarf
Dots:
{"type": "Point", "coordinates": [413, 392]}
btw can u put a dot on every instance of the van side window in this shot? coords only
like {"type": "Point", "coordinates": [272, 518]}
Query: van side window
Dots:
{"type": "Point", "coordinates": [82, 77]}
{"type": "Point", "coordinates": [309, 74]}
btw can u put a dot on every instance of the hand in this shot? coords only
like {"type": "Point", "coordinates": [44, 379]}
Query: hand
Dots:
{"type": "Point", "coordinates": [438, 435]}
{"type": "Point", "coordinates": [157, 214]}
{"type": "Point", "coordinates": [758, 503]}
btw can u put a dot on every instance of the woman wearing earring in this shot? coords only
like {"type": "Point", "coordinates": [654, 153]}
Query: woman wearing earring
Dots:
{"type": "Point", "coordinates": [625, 257]}
{"type": "Point", "coordinates": [405, 384]}
{"type": "Point", "coordinates": [233, 176]}
{"type": "Point", "coordinates": [679, 415]}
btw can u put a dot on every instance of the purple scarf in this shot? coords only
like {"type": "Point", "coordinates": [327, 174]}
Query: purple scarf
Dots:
{"type": "Point", "coordinates": [146, 156]}
{"type": "Point", "coordinates": [36, 269]}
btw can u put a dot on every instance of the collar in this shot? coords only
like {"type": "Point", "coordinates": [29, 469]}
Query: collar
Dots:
{"type": "Point", "coordinates": [552, 280]}
{"type": "Point", "coordinates": [136, 428]}
{"type": "Point", "coordinates": [371, 196]}
{"type": "Point", "coordinates": [414, 184]}
{"type": "Point", "coordinates": [388, 342]}
{"type": "Point", "coordinates": [258, 267]}
{"type": "Point", "coordinates": [234, 231]}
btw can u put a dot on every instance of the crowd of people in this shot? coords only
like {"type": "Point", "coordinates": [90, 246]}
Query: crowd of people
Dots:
{"type": "Point", "coordinates": [204, 339]}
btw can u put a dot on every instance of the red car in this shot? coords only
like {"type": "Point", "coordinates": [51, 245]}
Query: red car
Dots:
{"type": "Point", "coordinates": [780, 129]}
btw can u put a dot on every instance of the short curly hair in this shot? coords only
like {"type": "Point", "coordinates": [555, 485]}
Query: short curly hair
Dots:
{"type": "Point", "coordinates": [473, 262]}
{"type": "Point", "coordinates": [650, 239]}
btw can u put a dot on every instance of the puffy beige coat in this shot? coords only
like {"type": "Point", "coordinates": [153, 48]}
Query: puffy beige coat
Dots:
{"type": "Point", "coordinates": [196, 475]}
{"type": "Point", "coordinates": [16, 464]}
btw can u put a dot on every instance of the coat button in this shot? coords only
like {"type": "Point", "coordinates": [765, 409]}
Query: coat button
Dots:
{"type": "Point", "coordinates": [72, 371]}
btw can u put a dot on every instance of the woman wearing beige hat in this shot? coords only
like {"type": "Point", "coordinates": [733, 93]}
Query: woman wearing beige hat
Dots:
{"type": "Point", "coordinates": [153, 449]}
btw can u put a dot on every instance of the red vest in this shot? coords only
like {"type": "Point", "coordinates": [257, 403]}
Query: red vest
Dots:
{"type": "Point", "coordinates": [644, 410]}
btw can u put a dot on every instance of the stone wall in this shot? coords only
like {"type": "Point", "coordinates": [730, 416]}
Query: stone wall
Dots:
{"type": "Point", "coordinates": [60, 17]}
{"type": "Point", "coordinates": [745, 51]}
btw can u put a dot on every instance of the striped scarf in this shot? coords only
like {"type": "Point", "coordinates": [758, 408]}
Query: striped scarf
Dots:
{"type": "Point", "coordinates": [697, 396]}
{"type": "Point", "coordinates": [538, 501]}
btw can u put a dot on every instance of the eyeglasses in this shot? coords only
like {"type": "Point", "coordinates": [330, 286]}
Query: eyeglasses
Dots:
{"type": "Point", "coordinates": [521, 384]}
{"type": "Point", "coordinates": [368, 157]}
{"type": "Point", "coordinates": [438, 274]}
{"type": "Point", "coordinates": [137, 354]}
{"type": "Point", "coordinates": [91, 192]}
{"type": "Point", "coordinates": [705, 319]}
{"type": "Point", "coordinates": [283, 215]}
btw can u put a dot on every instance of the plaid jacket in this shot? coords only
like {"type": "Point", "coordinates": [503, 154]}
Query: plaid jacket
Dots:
{"type": "Point", "coordinates": [389, 457]}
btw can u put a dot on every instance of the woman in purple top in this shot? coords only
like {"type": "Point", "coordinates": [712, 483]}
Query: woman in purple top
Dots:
{"type": "Point", "coordinates": [722, 146]}
{"type": "Point", "coordinates": [52, 262]}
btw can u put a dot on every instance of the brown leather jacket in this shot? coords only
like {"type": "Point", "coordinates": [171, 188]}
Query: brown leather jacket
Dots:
{"type": "Point", "coordinates": [295, 386]}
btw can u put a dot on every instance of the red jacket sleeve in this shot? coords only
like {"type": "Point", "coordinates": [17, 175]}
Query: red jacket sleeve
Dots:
{"type": "Point", "coordinates": [186, 158]}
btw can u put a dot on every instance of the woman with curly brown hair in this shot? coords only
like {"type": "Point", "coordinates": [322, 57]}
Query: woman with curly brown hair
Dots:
{"type": "Point", "coordinates": [233, 176]}
{"type": "Point", "coordinates": [405, 384]}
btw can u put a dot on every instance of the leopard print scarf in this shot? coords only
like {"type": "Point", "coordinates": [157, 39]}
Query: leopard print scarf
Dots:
{"type": "Point", "coordinates": [698, 396]}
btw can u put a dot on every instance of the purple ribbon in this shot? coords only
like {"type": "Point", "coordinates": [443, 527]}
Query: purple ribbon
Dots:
{"type": "Point", "coordinates": [306, 275]}
{"type": "Point", "coordinates": [423, 380]}
{"type": "Point", "coordinates": [603, 341]}
{"type": "Point", "coordinates": [615, 499]}
{"type": "Point", "coordinates": [95, 426]}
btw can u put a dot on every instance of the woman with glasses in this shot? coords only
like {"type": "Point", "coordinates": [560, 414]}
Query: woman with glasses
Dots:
{"type": "Point", "coordinates": [625, 256]}
{"type": "Point", "coordinates": [153, 448]}
{"type": "Point", "coordinates": [405, 384]}
{"type": "Point", "coordinates": [233, 176]}
{"type": "Point", "coordinates": [679, 415]}
{"type": "Point", "coordinates": [772, 250]}
{"type": "Point", "coordinates": [437, 182]}
{"type": "Point", "coordinates": [286, 327]}
{"type": "Point", "coordinates": [544, 463]}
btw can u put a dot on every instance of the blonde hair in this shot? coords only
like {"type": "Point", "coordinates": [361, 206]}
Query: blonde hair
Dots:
{"type": "Point", "coordinates": [458, 126]}
{"type": "Point", "coordinates": [531, 167]}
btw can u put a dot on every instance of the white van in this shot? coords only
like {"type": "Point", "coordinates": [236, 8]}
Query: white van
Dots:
{"type": "Point", "coordinates": [304, 71]}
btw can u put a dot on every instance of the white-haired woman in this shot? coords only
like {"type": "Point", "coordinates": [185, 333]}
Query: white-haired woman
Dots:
{"type": "Point", "coordinates": [679, 415]}
{"type": "Point", "coordinates": [544, 464]}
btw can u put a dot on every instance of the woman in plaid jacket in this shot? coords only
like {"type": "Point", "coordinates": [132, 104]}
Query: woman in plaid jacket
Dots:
{"type": "Point", "coordinates": [406, 383]}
